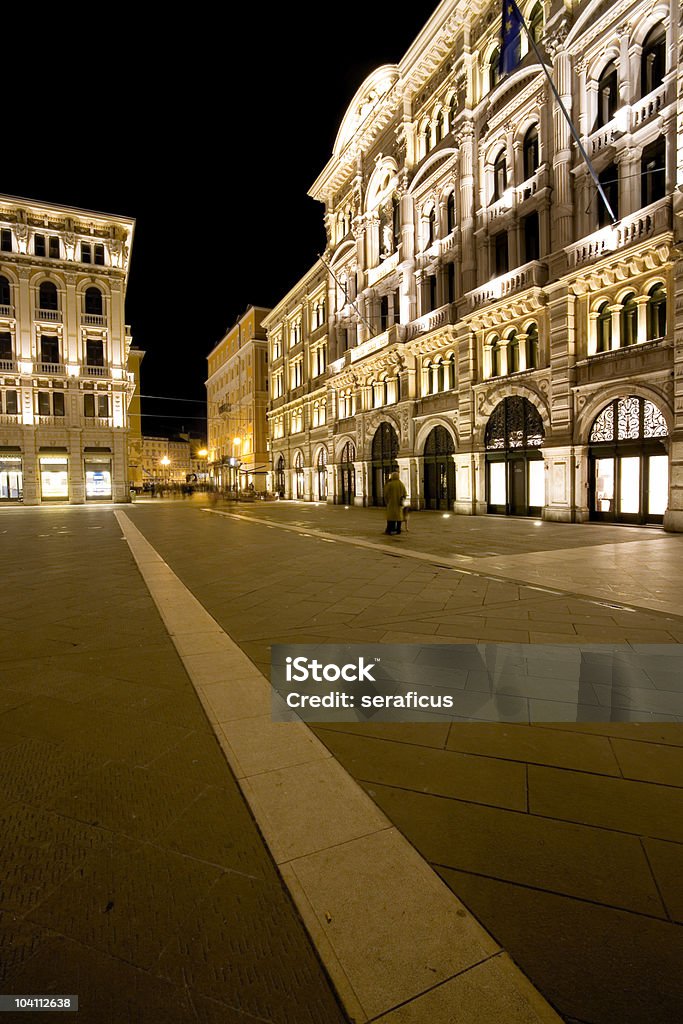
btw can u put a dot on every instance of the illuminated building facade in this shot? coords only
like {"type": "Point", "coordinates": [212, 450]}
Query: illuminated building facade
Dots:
{"type": "Point", "coordinates": [488, 329]}
{"type": "Point", "coordinates": [237, 398]}
{"type": "Point", "coordinates": [64, 380]}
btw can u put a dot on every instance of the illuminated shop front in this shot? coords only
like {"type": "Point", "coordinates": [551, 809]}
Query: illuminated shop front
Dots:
{"type": "Point", "coordinates": [54, 477]}
{"type": "Point", "coordinates": [11, 478]}
{"type": "Point", "coordinates": [515, 474]}
{"type": "Point", "coordinates": [98, 476]}
{"type": "Point", "coordinates": [629, 463]}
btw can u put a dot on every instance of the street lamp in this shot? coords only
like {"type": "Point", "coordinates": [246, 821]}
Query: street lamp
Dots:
{"type": "Point", "coordinates": [165, 462]}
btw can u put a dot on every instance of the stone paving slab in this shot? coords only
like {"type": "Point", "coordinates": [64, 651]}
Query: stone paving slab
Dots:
{"type": "Point", "coordinates": [575, 938]}
{"type": "Point", "coordinates": [132, 872]}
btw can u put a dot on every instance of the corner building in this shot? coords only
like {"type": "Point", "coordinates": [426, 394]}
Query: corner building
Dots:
{"type": "Point", "coordinates": [65, 387]}
{"type": "Point", "coordinates": [487, 328]}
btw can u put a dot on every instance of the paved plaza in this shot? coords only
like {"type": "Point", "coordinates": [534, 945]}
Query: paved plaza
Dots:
{"type": "Point", "coordinates": [137, 877]}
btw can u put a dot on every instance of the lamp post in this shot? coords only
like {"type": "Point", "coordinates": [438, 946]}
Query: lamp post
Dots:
{"type": "Point", "coordinates": [165, 462]}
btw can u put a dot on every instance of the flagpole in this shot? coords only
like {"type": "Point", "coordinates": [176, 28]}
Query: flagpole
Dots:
{"type": "Point", "coordinates": [568, 119]}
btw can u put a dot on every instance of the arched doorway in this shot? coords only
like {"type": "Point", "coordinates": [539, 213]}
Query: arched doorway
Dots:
{"type": "Point", "coordinates": [347, 474]}
{"type": "Point", "coordinates": [280, 476]}
{"type": "Point", "coordinates": [439, 469]}
{"type": "Point", "coordinates": [299, 476]}
{"type": "Point", "coordinates": [384, 456]}
{"type": "Point", "coordinates": [322, 474]}
{"type": "Point", "coordinates": [515, 476]}
{"type": "Point", "coordinates": [629, 463]}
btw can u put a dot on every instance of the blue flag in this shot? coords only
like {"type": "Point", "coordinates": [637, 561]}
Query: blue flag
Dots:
{"type": "Point", "coordinates": [510, 53]}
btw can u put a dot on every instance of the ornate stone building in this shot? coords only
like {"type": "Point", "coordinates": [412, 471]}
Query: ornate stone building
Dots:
{"type": "Point", "coordinates": [237, 397]}
{"type": "Point", "coordinates": [487, 327]}
{"type": "Point", "coordinates": [64, 380]}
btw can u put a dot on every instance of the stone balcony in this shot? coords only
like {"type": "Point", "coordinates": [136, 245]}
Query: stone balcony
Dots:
{"type": "Point", "coordinates": [636, 227]}
{"type": "Point", "coordinates": [529, 275]}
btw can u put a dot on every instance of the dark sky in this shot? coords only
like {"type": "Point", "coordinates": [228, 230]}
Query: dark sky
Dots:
{"type": "Point", "coordinates": [210, 135]}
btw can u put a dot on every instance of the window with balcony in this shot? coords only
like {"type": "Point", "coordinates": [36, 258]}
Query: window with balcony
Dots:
{"type": "Point", "coordinates": [5, 240]}
{"type": "Point", "coordinates": [530, 152]}
{"type": "Point", "coordinates": [653, 60]}
{"type": "Point", "coordinates": [656, 313]}
{"type": "Point", "coordinates": [431, 226]}
{"type": "Point", "coordinates": [604, 328]}
{"type": "Point", "coordinates": [50, 403]}
{"type": "Point", "coordinates": [49, 349]}
{"type": "Point", "coordinates": [609, 179]}
{"type": "Point", "coordinates": [48, 297]}
{"type": "Point", "coordinates": [94, 352]}
{"type": "Point", "coordinates": [450, 213]}
{"type": "Point", "coordinates": [608, 95]}
{"type": "Point", "coordinates": [5, 292]}
{"type": "Point", "coordinates": [500, 176]}
{"type": "Point", "coordinates": [531, 238]}
{"type": "Point", "coordinates": [96, 405]}
{"type": "Point", "coordinates": [431, 293]}
{"type": "Point", "coordinates": [501, 263]}
{"type": "Point", "coordinates": [450, 282]}
{"type": "Point", "coordinates": [653, 172]}
{"type": "Point", "coordinates": [93, 302]}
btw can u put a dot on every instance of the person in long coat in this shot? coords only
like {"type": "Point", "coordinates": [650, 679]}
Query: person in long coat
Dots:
{"type": "Point", "coordinates": [394, 496]}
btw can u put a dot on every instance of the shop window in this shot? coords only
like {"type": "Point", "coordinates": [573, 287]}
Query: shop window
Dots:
{"type": "Point", "coordinates": [653, 172]}
{"type": "Point", "coordinates": [656, 313]}
{"type": "Point", "coordinates": [653, 60]}
{"type": "Point", "coordinates": [530, 152]}
{"type": "Point", "coordinates": [54, 477]}
{"type": "Point", "coordinates": [98, 478]}
{"type": "Point", "coordinates": [608, 91]}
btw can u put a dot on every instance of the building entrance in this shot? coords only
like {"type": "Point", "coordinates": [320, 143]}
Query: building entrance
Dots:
{"type": "Point", "coordinates": [439, 470]}
{"type": "Point", "coordinates": [384, 459]}
{"type": "Point", "coordinates": [347, 474]}
{"type": "Point", "coordinates": [629, 463]}
{"type": "Point", "coordinates": [515, 475]}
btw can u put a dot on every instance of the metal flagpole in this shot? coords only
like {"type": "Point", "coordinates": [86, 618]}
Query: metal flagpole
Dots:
{"type": "Point", "coordinates": [351, 301]}
{"type": "Point", "coordinates": [568, 119]}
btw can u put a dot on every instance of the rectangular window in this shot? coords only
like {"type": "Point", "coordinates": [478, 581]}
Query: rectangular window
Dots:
{"type": "Point", "coordinates": [500, 250]}
{"type": "Point", "coordinates": [6, 240]}
{"type": "Point", "coordinates": [384, 313]}
{"type": "Point", "coordinates": [432, 291]}
{"type": "Point", "coordinates": [103, 406]}
{"type": "Point", "coordinates": [653, 172]}
{"type": "Point", "coordinates": [86, 252]}
{"type": "Point", "coordinates": [450, 282]}
{"type": "Point", "coordinates": [98, 479]}
{"type": "Point", "coordinates": [49, 348]}
{"type": "Point", "coordinates": [11, 403]}
{"type": "Point", "coordinates": [89, 405]}
{"type": "Point", "coordinates": [94, 352]}
{"type": "Point", "coordinates": [530, 238]}
{"type": "Point", "coordinates": [58, 403]}
{"type": "Point", "coordinates": [39, 245]}
{"type": "Point", "coordinates": [5, 345]}
{"type": "Point", "coordinates": [54, 247]}
{"type": "Point", "coordinates": [99, 254]}
{"type": "Point", "coordinates": [43, 403]}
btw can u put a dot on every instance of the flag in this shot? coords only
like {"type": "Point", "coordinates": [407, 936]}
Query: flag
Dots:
{"type": "Point", "coordinates": [512, 36]}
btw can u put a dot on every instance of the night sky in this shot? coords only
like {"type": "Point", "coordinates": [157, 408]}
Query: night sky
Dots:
{"type": "Point", "coordinates": [210, 137]}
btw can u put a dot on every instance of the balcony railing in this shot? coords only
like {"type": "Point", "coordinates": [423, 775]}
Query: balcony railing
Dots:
{"type": "Point", "coordinates": [49, 315]}
{"type": "Point", "coordinates": [53, 369]}
{"type": "Point", "coordinates": [7, 311]}
{"type": "Point", "coordinates": [95, 371]}
{"type": "Point", "coordinates": [8, 419]}
{"type": "Point", "coordinates": [50, 421]}
{"type": "Point", "coordinates": [648, 107]}
{"type": "Point", "coordinates": [8, 365]}
{"type": "Point", "coordinates": [637, 227]}
{"type": "Point", "coordinates": [93, 320]}
{"type": "Point", "coordinates": [529, 275]}
{"type": "Point", "coordinates": [430, 321]}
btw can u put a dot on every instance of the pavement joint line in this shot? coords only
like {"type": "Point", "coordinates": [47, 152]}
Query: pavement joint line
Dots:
{"type": "Point", "coordinates": [348, 868]}
{"type": "Point", "coordinates": [438, 562]}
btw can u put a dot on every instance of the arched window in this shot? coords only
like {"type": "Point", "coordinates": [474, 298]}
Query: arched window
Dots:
{"type": "Point", "coordinates": [499, 175]}
{"type": "Point", "coordinates": [532, 355]}
{"type": "Point", "coordinates": [495, 357]}
{"type": "Point", "coordinates": [48, 298]}
{"type": "Point", "coordinates": [653, 172]}
{"type": "Point", "coordinates": [653, 60]}
{"type": "Point", "coordinates": [530, 151]}
{"type": "Point", "coordinates": [426, 138]}
{"type": "Point", "coordinates": [322, 474]}
{"type": "Point", "coordinates": [431, 228]}
{"type": "Point", "coordinates": [396, 221]}
{"type": "Point", "coordinates": [437, 130]}
{"type": "Point", "coordinates": [656, 313]}
{"type": "Point", "coordinates": [536, 22]}
{"type": "Point", "coordinates": [5, 292]}
{"type": "Point", "coordinates": [450, 213]}
{"type": "Point", "coordinates": [494, 68]}
{"type": "Point", "coordinates": [609, 179]}
{"type": "Point", "coordinates": [608, 93]}
{"type": "Point", "coordinates": [604, 328]}
{"type": "Point", "coordinates": [93, 301]}
{"type": "Point", "coordinates": [299, 475]}
{"type": "Point", "coordinates": [628, 320]}
{"type": "Point", "coordinates": [513, 352]}
{"type": "Point", "coordinates": [347, 473]}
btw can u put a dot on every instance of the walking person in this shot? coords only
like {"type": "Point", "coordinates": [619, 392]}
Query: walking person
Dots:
{"type": "Point", "coordinates": [394, 496]}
